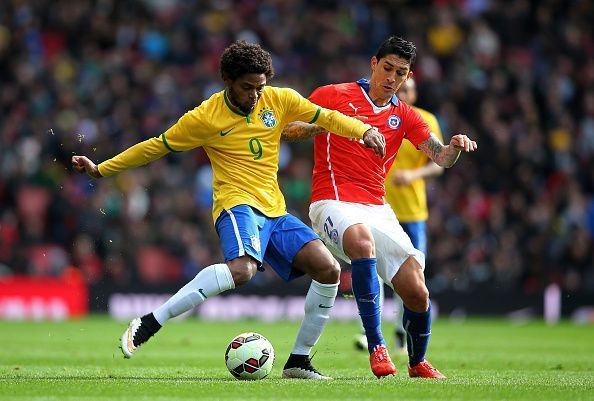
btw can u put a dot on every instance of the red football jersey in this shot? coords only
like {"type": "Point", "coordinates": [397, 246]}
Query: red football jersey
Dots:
{"type": "Point", "coordinates": [344, 169]}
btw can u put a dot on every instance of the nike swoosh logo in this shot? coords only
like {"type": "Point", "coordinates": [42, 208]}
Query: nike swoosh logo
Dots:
{"type": "Point", "coordinates": [324, 306]}
{"type": "Point", "coordinates": [201, 291]}
{"type": "Point", "coordinates": [223, 133]}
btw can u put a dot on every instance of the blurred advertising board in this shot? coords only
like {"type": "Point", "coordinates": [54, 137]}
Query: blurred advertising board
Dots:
{"type": "Point", "coordinates": [43, 298]}
{"type": "Point", "coordinates": [271, 303]}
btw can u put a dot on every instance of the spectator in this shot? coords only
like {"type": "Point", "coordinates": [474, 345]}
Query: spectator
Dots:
{"type": "Point", "coordinates": [93, 77]}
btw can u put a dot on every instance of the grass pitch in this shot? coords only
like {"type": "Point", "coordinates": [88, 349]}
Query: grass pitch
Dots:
{"type": "Point", "coordinates": [483, 360]}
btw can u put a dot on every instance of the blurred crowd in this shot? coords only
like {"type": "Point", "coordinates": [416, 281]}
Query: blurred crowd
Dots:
{"type": "Point", "coordinates": [94, 77]}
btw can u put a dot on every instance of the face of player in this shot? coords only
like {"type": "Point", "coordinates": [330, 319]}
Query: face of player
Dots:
{"type": "Point", "coordinates": [387, 74]}
{"type": "Point", "coordinates": [408, 91]}
{"type": "Point", "coordinates": [245, 91]}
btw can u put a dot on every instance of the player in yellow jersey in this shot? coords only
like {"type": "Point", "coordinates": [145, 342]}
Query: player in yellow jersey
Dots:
{"type": "Point", "coordinates": [405, 190]}
{"type": "Point", "coordinates": [240, 129]}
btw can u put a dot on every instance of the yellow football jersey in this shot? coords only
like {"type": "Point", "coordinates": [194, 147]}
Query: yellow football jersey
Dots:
{"type": "Point", "coordinates": [410, 201]}
{"type": "Point", "coordinates": [243, 149]}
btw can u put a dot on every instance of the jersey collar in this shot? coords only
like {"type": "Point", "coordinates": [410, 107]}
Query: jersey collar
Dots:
{"type": "Point", "coordinates": [364, 84]}
{"type": "Point", "coordinates": [233, 108]}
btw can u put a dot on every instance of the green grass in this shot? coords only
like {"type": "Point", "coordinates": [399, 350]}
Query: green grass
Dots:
{"type": "Point", "coordinates": [483, 359]}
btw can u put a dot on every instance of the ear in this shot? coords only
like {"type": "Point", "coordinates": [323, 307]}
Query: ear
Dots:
{"type": "Point", "coordinates": [411, 74]}
{"type": "Point", "coordinates": [373, 63]}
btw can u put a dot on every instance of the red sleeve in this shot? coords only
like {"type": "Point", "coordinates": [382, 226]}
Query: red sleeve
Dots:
{"type": "Point", "coordinates": [416, 129]}
{"type": "Point", "coordinates": [323, 95]}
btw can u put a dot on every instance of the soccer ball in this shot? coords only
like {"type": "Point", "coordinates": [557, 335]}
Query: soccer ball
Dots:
{"type": "Point", "coordinates": [249, 356]}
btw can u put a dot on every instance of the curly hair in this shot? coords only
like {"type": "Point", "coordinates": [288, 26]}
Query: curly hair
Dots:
{"type": "Point", "coordinates": [398, 46]}
{"type": "Point", "coordinates": [245, 58]}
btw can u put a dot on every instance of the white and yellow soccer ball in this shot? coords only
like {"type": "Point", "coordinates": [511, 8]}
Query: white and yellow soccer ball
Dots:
{"type": "Point", "coordinates": [249, 356]}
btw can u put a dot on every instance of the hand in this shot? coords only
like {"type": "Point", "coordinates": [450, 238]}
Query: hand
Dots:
{"type": "Point", "coordinates": [463, 143]}
{"type": "Point", "coordinates": [403, 177]}
{"type": "Point", "coordinates": [83, 164]}
{"type": "Point", "coordinates": [376, 141]}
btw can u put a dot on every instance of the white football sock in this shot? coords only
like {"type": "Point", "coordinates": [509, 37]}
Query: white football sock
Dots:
{"type": "Point", "coordinates": [210, 281]}
{"type": "Point", "coordinates": [320, 298]}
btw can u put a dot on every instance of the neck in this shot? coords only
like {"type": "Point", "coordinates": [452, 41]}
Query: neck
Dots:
{"type": "Point", "coordinates": [379, 100]}
{"type": "Point", "coordinates": [235, 104]}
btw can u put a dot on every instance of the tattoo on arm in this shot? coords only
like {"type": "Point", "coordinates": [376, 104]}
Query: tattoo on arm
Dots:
{"type": "Point", "coordinates": [298, 131]}
{"type": "Point", "coordinates": [442, 155]}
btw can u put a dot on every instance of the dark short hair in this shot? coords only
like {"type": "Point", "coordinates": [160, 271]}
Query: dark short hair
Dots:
{"type": "Point", "coordinates": [245, 58]}
{"type": "Point", "coordinates": [398, 46]}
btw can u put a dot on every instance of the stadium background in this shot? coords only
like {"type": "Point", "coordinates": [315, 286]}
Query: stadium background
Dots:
{"type": "Point", "coordinates": [93, 77]}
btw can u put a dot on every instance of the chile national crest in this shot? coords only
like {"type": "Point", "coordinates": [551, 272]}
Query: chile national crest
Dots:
{"type": "Point", "coordinates": [394, 121]}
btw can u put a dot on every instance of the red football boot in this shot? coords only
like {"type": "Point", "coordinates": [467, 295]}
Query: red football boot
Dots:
{"type": "Point", "coordinates": [381, 364]}
{"type": "Point", "coordinates": [425, 370]}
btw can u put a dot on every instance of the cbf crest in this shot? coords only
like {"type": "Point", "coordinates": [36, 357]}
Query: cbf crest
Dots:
{"type": "Point", "coordinates": [394, 121]}
{"type": "Point", "coordinates": [267, 117]}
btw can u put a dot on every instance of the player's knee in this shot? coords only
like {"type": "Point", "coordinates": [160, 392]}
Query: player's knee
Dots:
{"type": "Point", "coordinates": [361, 248]}
{"type": "Point", "coordinates": [418, 300]}
{"type": "Point", "coordinates": [334, 271]}
{"type": "Point", "coordinates": [328, 271]}
{"type": "Point", "coordinates": [243, 275]}
{"type": "Point", "coordinates": [242, 270]}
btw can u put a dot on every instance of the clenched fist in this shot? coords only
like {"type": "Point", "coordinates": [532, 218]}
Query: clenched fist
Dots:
{"type": "Point", "coordinates": [83, 164]}
{"type": "Point", "coordinates": [463, 143]}
{"type": "Point", "coordinates": [376, 141]}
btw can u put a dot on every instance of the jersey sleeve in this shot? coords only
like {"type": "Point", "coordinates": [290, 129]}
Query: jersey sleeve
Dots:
{"type": "Point", "coordinates": [137, 155]}
{"type": "Point", "coordinates": [415, 128]}
{"type": "Point", "coordinates": [189, 132]}
{"type": "Point", "coordinates": [302, 109]}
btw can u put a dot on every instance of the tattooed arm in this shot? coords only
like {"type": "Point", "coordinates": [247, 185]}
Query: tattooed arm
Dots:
{"type": "Point", "coordinates": [298, 131]}
{"type": "Point", "coordinates": [447, 155]}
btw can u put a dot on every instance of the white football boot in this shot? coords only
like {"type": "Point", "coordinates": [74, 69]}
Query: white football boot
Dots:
{"type": "Point", "coordinates": [128, 347]}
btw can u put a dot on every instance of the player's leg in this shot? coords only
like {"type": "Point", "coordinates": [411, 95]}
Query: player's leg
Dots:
{"type": "Point", "coordinates": [360, 341]}
{"type": "Point", "coordinates": [236, 228]}
{"type": "Point", "coordinates": [294, 249]}
{"type": "Point", "coordinates": [399, 333]}
{"type": "Point", "coordinates": [401, 266]}
{"type": "Point", "coordinates": [409, 283]}
{"type": "Point", "coordinates": [417, 233]}
{"type": "Point", "coordinates": [343, 228]}
{"type": "Point", "coordinates": [316, 261]}
{"type": "Point", "coordinates": [359, 246]}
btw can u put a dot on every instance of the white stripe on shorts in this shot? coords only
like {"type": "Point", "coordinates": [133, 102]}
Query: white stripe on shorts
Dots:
{"type": "Point", "coordinates": [236, 230]}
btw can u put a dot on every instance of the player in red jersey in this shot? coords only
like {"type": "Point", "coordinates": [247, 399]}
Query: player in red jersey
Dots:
{"type": "Point", "coordinates": [348, 208]}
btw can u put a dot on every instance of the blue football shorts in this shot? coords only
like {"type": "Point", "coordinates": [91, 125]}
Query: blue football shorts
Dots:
{"type": "Point", "coordinates": [243, 230]}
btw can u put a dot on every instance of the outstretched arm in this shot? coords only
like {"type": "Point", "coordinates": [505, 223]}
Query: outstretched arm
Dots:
{"type": "Point", "coordinates": [302, 109]}
{"type": "Point", "coordinates": [447, 155]}
{"type": "Point", "coordinates": [137, 155]}
{"type": "Point", "coordinates": [298, 131]}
